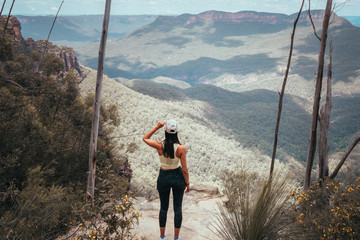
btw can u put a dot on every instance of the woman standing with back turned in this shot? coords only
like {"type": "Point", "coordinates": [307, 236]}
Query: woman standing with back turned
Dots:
{"type": "Point", "coordinates": [172, 175]}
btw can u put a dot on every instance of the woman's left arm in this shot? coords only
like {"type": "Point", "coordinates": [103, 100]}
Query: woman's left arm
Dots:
{"type": "Point", "coordinates": [184, 169]}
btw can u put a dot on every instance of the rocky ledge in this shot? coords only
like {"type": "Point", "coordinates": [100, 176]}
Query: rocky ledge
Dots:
{"type": "Point", "coordinates": [22, 46]}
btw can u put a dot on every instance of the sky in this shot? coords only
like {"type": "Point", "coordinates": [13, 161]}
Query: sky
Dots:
{"type": "Point", "coordinates": [172, 7]}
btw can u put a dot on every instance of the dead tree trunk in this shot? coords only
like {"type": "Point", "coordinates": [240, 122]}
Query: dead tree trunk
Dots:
{"type": "Point", "coordinates": [324, 123]}
{"type": "Point", "coordinates": [8, 17]}
{"type": "Point", "coordinates": [342, 161]}
{"type": "Point", "coordinates": [317, 96]}
{"type": "Point", "coordinates": [47, 40]}
{"type": "Point", "coordinates": [283, 90]}
{"type": "Point", "coordinates": [2, 8]}
{"type": "Point", "coordinates": [95, 122]}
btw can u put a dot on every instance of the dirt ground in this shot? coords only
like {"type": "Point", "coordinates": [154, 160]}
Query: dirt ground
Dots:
{"type": "Point", "coordinates": [199, 210]}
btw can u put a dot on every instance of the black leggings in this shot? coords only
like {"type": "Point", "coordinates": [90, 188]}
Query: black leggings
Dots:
{"type": "Point", "coordinates": [171, 179]}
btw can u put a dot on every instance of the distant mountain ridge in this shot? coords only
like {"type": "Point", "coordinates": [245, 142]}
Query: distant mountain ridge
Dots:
{"type": "Point", "coordinates": [238, 17]}
{"type": "Point", "coordinates": [80, 28]}
{"type": "Point", "coordinates": [239, 51]}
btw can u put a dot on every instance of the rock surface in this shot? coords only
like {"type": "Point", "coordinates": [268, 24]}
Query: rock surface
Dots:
{"type": "Point", "coordinates": [22, 46]}
{"type": "Point", "coordinates": [199, 211]}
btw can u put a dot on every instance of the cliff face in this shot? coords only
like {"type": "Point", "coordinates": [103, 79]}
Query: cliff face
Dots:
{"type": "Point", "coordinates": [14, 33]}
{"type": "Point", "coordinates": [22, 46]}
{"type": "Point", "coordinates": [239, 17]}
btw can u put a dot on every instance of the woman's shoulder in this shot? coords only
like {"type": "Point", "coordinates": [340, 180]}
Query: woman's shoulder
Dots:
{"type": "Point", "coordinates": [181, 147]}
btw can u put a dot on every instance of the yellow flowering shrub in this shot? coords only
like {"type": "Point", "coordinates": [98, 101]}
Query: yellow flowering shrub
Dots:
{"type": "Point", "coordinates": [330, 210]}
{"type": "Point", "coordinates": [111, 215]}
{"type": "Point", "coordinates": [115, 220]}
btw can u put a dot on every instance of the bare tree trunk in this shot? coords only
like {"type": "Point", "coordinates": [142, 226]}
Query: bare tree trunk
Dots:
{"type": "Point", "coordinates": [342, 161]}
{"type": "Point", "coordinates": [2, 8]}
{"type": "Point", "coordinates": [324, 123]}
{"type": "Point", "coordinates": [8, 17]}
{"type": "Point", "coordinates": [47, 40]}
{"type": "Point", "coordinates": [312, 22]}
{"type": "Point", "coordinates": [283, 90]}
{"type": "Point", "coordinates": [95, 122]}
{"type": "Point", "coordinates": [317, 96]}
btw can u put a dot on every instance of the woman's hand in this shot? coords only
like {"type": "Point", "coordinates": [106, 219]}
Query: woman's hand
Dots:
{"type": "Point", "coordinates": [160, 125]}
{"type": "Point", "coordinates": [187, 188]}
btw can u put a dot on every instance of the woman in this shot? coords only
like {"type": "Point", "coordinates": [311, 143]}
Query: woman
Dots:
{"type": "Point", "coordinates": [171, 175]}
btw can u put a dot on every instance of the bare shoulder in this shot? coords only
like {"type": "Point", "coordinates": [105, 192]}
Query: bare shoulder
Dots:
{"type": "Point", "coordinates": [181, 148]}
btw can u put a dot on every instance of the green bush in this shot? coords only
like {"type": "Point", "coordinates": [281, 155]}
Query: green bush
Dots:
{"type": "Point", "coordinates": [112, 214]}
{"type": "Point", "coordinates": [37, 212]}
{"type": "Point", "coordinates": [45, 133]}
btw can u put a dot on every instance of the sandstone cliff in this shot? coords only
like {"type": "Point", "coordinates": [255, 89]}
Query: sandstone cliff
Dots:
{"type": "Point", "coordinates": [22, 46]}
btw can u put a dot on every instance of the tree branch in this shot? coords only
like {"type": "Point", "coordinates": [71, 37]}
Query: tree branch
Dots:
{"type": "Point", "coordinates": [47, 40]}
{"type": "Point", "coordinates": [2, 8]}
{"type": "Point", "coordinates": [283, 90]}
{"type": "Point", "coordinates": [7, 20]}
{"type": "Point", "coordinates": [11, 81]}
{"type": "Point", "coordinates": [342, 161]}
{"type": "Point", "coordinates": [312, 23]}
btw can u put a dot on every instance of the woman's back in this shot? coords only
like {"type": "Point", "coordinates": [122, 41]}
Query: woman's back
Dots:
{"type": "Point", "coordinates": [170, 163]}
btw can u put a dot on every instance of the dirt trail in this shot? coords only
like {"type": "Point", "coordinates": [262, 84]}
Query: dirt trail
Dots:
{"type": "Point", "coordinates": [199, 210]}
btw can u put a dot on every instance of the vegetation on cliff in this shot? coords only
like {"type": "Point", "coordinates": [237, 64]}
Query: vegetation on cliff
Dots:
{"type": "Point", "coordinates": [45, 133]}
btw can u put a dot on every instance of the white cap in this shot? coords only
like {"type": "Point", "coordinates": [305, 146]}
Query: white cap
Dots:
{"type": "Point", "coordinates": [171, 126]}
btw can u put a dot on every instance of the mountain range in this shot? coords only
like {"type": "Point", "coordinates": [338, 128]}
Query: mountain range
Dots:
{"type": "Point", "coordinates": [237, 51]}
{"type": "Point", "coordinates": [76, 29]}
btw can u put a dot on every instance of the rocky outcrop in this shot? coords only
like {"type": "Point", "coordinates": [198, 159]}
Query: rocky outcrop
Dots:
{"type": "Point", "coordinates": [13, 33]}
{"type": "Point", "coordinates": [22, 46]}
{"type": "Point", "coordinates": [67, 54]}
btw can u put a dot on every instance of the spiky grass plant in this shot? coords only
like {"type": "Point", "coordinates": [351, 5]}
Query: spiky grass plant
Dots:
{"type": "Point", "coordinates": [255, 208]}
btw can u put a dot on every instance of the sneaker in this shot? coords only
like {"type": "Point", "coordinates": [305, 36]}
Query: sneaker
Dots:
{"type": "Point", "coordinates": [177, 238]}
{"type": "Point", "coordinates": [163, 238]}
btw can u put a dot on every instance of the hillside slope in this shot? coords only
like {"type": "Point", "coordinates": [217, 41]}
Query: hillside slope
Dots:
{"type": "Point", "coordinates": [208, 151]}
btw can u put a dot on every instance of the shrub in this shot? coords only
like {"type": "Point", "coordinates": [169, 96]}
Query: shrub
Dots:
{"type": "Point", "coordinates": [112, 214]}
{"type": "Point", "coordinates": [37, 212]}
{"type": "Point", "coordinates": [255, 209]}
{"type": "Point", "coordinates": [330, 210]}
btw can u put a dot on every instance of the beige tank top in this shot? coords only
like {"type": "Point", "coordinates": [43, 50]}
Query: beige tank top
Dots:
{"type": "Point", "coordinates": [170, 163]}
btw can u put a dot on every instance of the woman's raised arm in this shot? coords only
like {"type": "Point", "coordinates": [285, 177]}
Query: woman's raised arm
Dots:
{"type": "Point", "coordinates": [155, 144]}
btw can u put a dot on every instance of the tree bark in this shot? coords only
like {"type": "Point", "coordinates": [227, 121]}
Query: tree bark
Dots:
{"type": "Point", "coordinates": [47, 40]}
{"type": "Point", "coordinates": [317, 96]}
{"type": "Point", "coordinates": [8, 17]}
{"type": "Point", "coordinates": [342, 161]}
{"type": "Point", "coordinates": [95, 122]}
{"type": "Point", "coordinates": [2, 8]}
{"type": "Point", "coordinates": [324, 123]}
{"type": "Point", "coordinates": [312, 22]}
{"type": "Point", "coordinates": [283, 90]}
